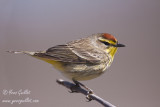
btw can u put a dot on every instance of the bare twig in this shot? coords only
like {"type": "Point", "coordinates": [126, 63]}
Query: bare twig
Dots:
{"type": "Point", "coordinates": [93, 96]}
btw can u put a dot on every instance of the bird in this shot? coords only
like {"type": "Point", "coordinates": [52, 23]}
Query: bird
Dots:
{"type": "Point", "coordinates": [81, 59]}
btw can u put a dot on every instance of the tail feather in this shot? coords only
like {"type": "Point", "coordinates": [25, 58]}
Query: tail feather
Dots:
{"type": "Point", "coordinates": [23, 52]}
{"type": "Point", "coordinates": [38, 55]}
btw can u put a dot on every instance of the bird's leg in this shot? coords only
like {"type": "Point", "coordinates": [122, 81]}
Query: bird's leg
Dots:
{"type": "Point", "coordinates": [89, 90]}
{"type": "Point", "coordinates": [73, 88]}
{"type": "Point", "coordinates": [80, 84]}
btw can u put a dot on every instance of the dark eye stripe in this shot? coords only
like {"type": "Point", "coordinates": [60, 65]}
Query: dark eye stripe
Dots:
{"type": "Point", "coordinates": [106, 43]}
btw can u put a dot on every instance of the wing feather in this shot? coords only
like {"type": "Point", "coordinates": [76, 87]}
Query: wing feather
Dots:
{"type": "Point", "coordinates": [67, 53]}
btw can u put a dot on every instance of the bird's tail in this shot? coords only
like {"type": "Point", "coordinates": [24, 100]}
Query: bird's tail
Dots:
{"type": "Point", "coordinates": [23, 52]}
{"type": "Point", "coordinates": [40, 54]}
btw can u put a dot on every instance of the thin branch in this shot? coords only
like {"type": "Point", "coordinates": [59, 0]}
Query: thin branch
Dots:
{"type": "Point", "coordinates": [93, 96]}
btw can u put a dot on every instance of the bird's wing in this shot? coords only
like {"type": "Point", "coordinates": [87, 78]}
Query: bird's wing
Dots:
{"type": "Point", "coordinates": [66, 53]}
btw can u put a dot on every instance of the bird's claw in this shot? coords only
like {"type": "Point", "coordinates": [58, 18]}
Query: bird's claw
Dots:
{"type": "Point", "coordinates": [88, 96]}
{"type": "Point", "coordinates": [72, 89]}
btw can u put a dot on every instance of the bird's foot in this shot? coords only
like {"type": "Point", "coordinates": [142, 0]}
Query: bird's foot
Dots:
{"type": "Point", "coordinates": [88, 89]}
{"type": "Point", "coordinates": [80, 84]}
{"type": "Point", "coordinates": [73, 89]}
{"type": "Point", "coordinates": [88, 96]}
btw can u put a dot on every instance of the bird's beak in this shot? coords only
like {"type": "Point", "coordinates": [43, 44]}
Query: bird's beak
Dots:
{"type": "Point", "coordinates": [119, 45]}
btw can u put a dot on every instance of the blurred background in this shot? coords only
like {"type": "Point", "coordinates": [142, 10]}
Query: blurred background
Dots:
{"type": "Point", "coordinates": [34, 25]}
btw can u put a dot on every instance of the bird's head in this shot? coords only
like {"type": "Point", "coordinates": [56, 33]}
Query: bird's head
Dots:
{"type": "Point", "coordinates": [110, 42]}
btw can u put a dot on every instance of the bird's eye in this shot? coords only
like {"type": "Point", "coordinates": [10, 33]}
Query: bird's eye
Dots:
{"type": "Point", "coordinates": [106, 43]}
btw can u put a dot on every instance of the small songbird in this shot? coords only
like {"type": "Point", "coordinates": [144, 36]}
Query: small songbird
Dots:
{"type": "Point", "coordinates": [82, 59]}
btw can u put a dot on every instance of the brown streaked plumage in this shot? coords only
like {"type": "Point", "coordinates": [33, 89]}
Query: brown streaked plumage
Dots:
{"type": "Point", "coordinates": [82, 59]}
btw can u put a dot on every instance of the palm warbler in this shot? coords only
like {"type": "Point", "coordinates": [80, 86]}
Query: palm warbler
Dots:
{"type": "Point", "coordinates": [82, 59]}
